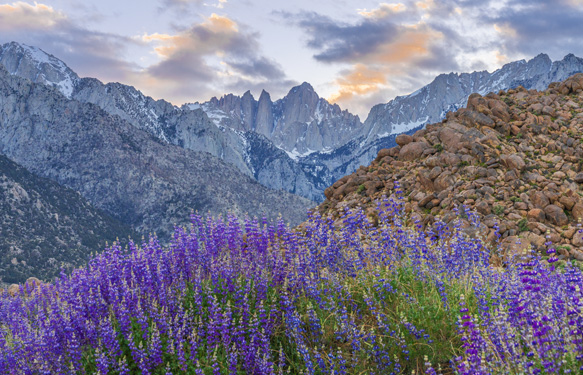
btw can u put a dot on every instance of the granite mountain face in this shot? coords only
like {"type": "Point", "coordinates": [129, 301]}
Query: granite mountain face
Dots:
{"type": "Point", "coordinates": [299, 143]}
{"type": "Point", "coordinates": [134, 176]}
{"type": "Point", "coordinates": [300, 123]}
{"type": "Point", "coordinates": [193, 128]}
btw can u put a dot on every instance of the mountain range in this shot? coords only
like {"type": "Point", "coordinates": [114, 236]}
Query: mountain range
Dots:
{"type": "Point", "coordinates": [131, 174]}
{"type": "Point", "coordinates": [143, 165]}
{"type": "Point", "coordinates": [300, 143]}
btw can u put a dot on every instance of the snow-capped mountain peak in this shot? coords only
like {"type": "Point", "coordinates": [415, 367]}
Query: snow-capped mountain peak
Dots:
{"type": "Point", "coordinates": [38, 66]}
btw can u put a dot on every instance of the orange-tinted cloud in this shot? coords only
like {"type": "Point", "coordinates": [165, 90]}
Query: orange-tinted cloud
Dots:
{"type": "Point", "coordinates": [360, 80]}
{"type": "Point", "coordinates": [384, 10]}
{"type": "Point", "coordinates": [21, 15]}
{"type": "Point", "coordinates": [214, 53]}
{"type": "Point", "coordinates": [413, 42]}
{"type": "Point", "coordinates": [218, 32]}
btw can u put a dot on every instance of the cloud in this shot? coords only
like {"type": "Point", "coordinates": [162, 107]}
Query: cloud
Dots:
{"type": "Point", "coordinates": [215, 53]}
{"type": "Point", "coordinates": [360, 80]}
{"type": "Point", "coordinates": [408, 43]}
{"type": "Point", "coordinates": [552, 27]}
{"type": "Point", "coordinates": [388, 49]}
{"type": "Point", "coordinates": [85, 51]}
{"type": "Point", "coordinates": [211, 57]}
{"type": "Point", "coordinates": [185, 7]}
{"type": "Point", "coordinates": [32, 17]}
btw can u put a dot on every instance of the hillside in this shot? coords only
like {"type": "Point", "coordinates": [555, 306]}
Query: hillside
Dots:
{"type": "Point", "coordinates": [44, 226]}
{"type": "Point", "coordinates": [516, 157]}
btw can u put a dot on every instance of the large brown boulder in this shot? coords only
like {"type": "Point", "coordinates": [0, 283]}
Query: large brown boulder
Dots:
{"type": "Point", "coordinates": [450, 139]}
{"type": "Point", "coordinates": [412, 151]}
{"type": "Point", "coordinates": [444, 181]}
{"type": "Point", "coordinates": [474, 119]}
{"type": "Point", "coordinates": [383, 152]}
{"type": "Point", "coordinates": [513, 162]}
{"type": "Point", "coordinates": [403, 139]}
{"type": "Point", "coordinates": [537, 215]}
{"type": "Point", "coordinates": [556, 215]}
{"type": "Point", "coordinates": [13, 289]}
{"type": "Point", "coordinates": [539, 199]}
{"type": "Point", "coordinates": [578, 211]}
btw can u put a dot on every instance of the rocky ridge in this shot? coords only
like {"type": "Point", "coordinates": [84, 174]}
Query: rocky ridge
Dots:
{"type": "Point", "coordinates": [449, 92]}
{"type": "Point", "coordinates": [45, 227]}
{"type": "Point", "coordinates": [515, 157]}
{"type": "Point", "coordinates": [300, 123]}
{"type": "Point", "coordinates": [192, 129]}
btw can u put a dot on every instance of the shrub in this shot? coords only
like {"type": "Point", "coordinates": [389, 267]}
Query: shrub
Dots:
{"type": "Point", "coordinates": [523, 225]}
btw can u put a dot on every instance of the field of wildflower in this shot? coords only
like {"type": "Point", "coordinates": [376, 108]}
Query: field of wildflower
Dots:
{"type": "Point", "coordinates": [247, 297]}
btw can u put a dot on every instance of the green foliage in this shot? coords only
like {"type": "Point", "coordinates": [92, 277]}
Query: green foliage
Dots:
{"type": "Point", "coordinates": [498, 210]}
{"type": "Point", "coordinates": [523, 225]}
{"type": "Point", "coordinates": [438, 147]}
{"type": "Point", "coordinates": [360, 189]}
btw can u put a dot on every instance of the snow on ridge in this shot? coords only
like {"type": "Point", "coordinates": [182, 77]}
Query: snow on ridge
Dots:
{"type": "Point", "coordinates": [67, 84]}
{"type": "Point", "coordinates": [403, 127]}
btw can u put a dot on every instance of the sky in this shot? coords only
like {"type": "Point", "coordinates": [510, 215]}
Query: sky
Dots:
{"type": "Point", "coordinates": [354, 53]}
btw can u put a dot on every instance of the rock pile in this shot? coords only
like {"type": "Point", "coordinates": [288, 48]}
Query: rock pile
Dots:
{"type": "Point", "coordinates": [515, 157]}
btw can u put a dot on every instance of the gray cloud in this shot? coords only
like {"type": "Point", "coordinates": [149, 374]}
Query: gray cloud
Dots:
{"type": "Point", "coordinates": [337, 41]}
{"type": "Point", "coordinates": [186, 57]}
{"type": "Point", "coordinates": [258, 67]}
{"type": "Point", "coordinates": [189, 66]}
{"type": "Point", "coordinates": [85, 51]}
{"type": "Point", "coordinates": [553, 27]}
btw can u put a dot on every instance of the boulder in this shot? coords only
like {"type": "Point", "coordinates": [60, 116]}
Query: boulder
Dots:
{"type": "Point", "coordinates": [515, 246]}
{"type": "Point", "coordinates": [403, 139]}
{"type": "Point", "coordinates": [412, 151]}
{"type": "Point", "coordinates": [568, 202]}
{"type": "Point", "coordinates": [556, 215]}
{"type": "Point", "coordinates": [383, 152]}
{"type": "Point", "coordinates": [573, 84]}
{"type": "Point", "coordinates": [33, 282]}
{"type": "Point", "coordinates": [539, 199]}
{"type": "Point", "coordinates": [577, 254]}
{"type": "Point", "coordinates": [578, 211]}
{"type": "Point", "coordinates": [577, 239]}
{"type": "Point", "coordinates": [537, 242]}
{"type": "Point", "coordinates": [444, 181]}
{"type": "Point", "coordinates": [513, 162]}
{"type": "Point", "coordinates": [450, 139]}
{"type": "Point", "coordinates": [536, 214]}
{"type": "Point", "coordinates": [13, 289]}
